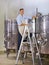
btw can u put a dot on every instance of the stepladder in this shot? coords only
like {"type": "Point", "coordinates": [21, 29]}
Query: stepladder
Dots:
{"type": "Point", "coordinates": [31, 42]}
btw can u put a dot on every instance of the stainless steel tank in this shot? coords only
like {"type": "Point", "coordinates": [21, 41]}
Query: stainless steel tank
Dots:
{"type": "Point", "coordinates": [7, 29]}
{"type": "Point", "coordinates": [42, 29]}
{"type": "Point", "coordinates": [14, 29]}
{"type": "Point", "coordinates": [11, 34]}
{"type": "Point", "coordinates": [14, 26]}
{"type": "Point", "coordinates": [42, 24]}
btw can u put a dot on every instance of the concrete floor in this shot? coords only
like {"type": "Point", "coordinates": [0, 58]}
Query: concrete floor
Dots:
{"type": "Point", "coordinates": [11, 60]}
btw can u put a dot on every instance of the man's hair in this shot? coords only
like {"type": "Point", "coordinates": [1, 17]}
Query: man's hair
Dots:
{"type": "Point", "coordinates": [21, 9]}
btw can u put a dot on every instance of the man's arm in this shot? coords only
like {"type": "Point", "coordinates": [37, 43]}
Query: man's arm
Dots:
{"type": "Point", "coordinates": [19, 23]}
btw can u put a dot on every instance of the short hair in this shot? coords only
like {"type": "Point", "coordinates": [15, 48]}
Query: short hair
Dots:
{"type": "Point", "coordinates": [21, 9]}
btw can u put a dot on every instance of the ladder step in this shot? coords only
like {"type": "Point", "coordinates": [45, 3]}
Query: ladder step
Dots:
{"type": "Point", "coordinates": [26, 51]}
{"type": "Point", "coordinates": [26, 42]}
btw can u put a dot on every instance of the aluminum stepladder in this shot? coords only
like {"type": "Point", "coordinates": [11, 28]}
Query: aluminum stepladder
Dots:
{"type": "Point", "coordinates": [26, 28]}
{"type": "Point", "coordinates": [31, 46]}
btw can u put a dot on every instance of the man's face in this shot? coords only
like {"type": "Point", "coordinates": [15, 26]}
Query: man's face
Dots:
{"type": "Point", "coordinates": [22, 12]}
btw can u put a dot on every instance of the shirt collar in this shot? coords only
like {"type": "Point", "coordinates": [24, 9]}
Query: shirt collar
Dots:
{"type": "Point", "coordinates": [21, 15]}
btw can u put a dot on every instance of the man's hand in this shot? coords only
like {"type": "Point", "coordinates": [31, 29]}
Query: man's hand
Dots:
{"type": "Point", "coordinates": [23, 24]}
{"type": "Point", "coordinates": [34, 17]}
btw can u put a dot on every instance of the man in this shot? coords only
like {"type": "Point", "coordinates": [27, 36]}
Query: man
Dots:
{"type": "Point", "coordinates": [21, 22]}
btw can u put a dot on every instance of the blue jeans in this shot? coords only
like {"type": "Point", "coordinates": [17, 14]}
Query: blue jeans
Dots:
{"type": "Point", "coordinates": [20, 38]}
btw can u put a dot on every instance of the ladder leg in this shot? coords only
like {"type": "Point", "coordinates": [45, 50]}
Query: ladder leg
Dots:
{"type": "Point", "coordinates": [32, 50]}
{"type": "Point", "coordinates": [31, 47]}
{"type": "Point", "coordinates": [32, 56]}
{"type": "Point", "coordinates": [18, 54]}
{"type": "Point", "coordinates": [20, 48]}
{"type": "Point", "coordinates": [38, 53]}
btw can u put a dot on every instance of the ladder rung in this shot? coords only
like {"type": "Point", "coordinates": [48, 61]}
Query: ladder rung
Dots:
{"type": "Point", "coordinates": [25, 42]}
{"type": "Point", "coordinates": [25, 51]}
